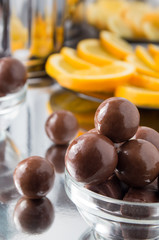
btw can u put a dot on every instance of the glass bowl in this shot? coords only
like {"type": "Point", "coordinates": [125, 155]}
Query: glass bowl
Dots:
{"type": "Point", "coordinates": [10, 106]}
{"type": "Point", "coordinates": [111, 218]}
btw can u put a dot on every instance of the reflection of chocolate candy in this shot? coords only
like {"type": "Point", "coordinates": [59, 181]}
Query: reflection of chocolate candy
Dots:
{"type": "Point", "coordinates": [56, 155]}
{"type": "Point", "coordinates": [149, 135]}
{"type": "Point", "coordinates": [9, 195]}
{"type": "Point", "coordinates": [34, 177]}
{"type": "Point", "coordinates": [110, 188]}
{"type": "Point", "coordinates": [138, 163]}
{"type": "Point", "coordinates": [117, 118]}
{"type": "Point", "coordinates": [13, 75]}
{"type": "Point", "coordinates": [61, 127]}
{"type": "Point", "coordinates": [91, 158]}
{"type": "Point", "coordinates": [33, 216]}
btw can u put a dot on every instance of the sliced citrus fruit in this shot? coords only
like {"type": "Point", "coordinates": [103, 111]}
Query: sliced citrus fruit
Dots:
{"type": "Point", "coordinates": [106, 78]}
{"type": "Point", "coordinates": [71, 57]}
{"type": "Point", "coordinates": [133, 15]}
{"type": "Point", "coordinates": [90, 50]}
{"type": "Point", "coordinates": [141, 67]}
{"type": "Point", "coordinates": [117, 25]}
{"type": "Point", "coordinates": [140, 80]}
{"type": "Point", "coordinates": [150, 30]}
{"type": "Point", "coordinates": [153, 49]}
{"type": "Point", "coordinates": [139, 96]}
{"type": "Point", "coordinates": [115, 45]}
{"type": "Point", "coordinates": [144, 56]}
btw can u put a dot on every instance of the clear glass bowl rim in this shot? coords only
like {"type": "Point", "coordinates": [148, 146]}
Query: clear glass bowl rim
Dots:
{"type": "Point", "coordinates": [14, 95]}
{"type": "Point", "coordinates": [80, 187]}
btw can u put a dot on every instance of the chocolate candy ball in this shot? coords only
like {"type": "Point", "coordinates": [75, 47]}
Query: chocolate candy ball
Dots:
{"type": "Point", "coordinates": [110, 188]}
{"type": "Point", "coordinates": [138, 163]}
{"type": "Point", "coordinates": [148, 134]}
{"type": "Point", "coordinates": [91, 158]}
{"type": "Point", "coordinates": [117, 118]}
{"type": "Point", "coordinates": [61, 127]}
{"type": "Point", "coordinates": [33, 216]}
{"type": "Point", "coordinates": [13, 75]}
{"type": "Point", "coordinates": [34, 177]}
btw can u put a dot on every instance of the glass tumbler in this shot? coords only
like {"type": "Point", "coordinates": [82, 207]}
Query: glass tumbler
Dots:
{"type": "Point", "coordinates": [29, 30]}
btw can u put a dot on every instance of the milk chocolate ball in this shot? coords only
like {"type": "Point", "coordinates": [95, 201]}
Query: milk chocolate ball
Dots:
{"type": "Point", "coordinates": [138, 163]}
{"type": "Point", "coordinates": [117, 118]}
{"type": "Point", "coordinates": [148, 134]}
{"type": "Point", "coordinates": [61, 127]}
{"type": "Point", "coordinates": [33, 216]}
{"type": "Point", "coordinates": [110, 188]}
{"type": "Point", "coordinates": [34, 177]}
{"type": "Point", "coordinates": [91, 158]}
{"type": "Point", "coordinates": [13, 75]}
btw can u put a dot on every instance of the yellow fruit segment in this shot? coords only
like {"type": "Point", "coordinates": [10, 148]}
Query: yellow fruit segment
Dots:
{"type": "Point", "coordinates": [117, 25]}
{"type": "Point", "coordinates": [153, 49]}
{"type": "Point", "coordinates": [90, 50]}
{"type": "Point", "coordinates": [141, 67]}
{"type": "Point", "coordinates": [115, 45]}
{"type": "Point", "coordinates": [151, 31]}
{"type": "Point", "coordinates": [146, 58]}
{"type": "Point", "coordinates": [71, 57]}
{"type": "Point", "coordinates": [144, 81]}
{"type": "Point", "coordinates": [106, 78]}
{"type": "Point", "coordinates": [139, 96]}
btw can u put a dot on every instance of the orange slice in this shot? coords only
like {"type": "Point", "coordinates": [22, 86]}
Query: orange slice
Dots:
{"type": "Point", "coordinates": [106, 78]}
{"type": "Point", "coordinates": [115, 45]}
{"type": "Point", "coordinates": [140, 80]}
{"type": "Point", "coordinates": [90, 50]}
{"type": "Point", "coordinates": [141, 67]}
{"type": "Point", "coordinates": [150, 30]}
{"type": "Point", "coordinates": [144, 56]}
{"type": "Point", "coordinates": [139, 96]}
{"type": "Point", "coordinates": [133, 15]}
{"type": "Point", "coordinates": [117, 25]}
{"type": "Point", "coordinates": [71, 57]}
{"type": "Point", "coordinates": [153, 49]}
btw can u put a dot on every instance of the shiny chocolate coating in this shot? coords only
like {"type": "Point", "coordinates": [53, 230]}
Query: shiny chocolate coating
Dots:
{"type": "Point", "coordinates": [61, 127]}
{"type": "Point", "coordinates": [110, 188]}
{"type": "Point", "coordinates": [91, 158]}
{"type": "Point", "coordinates": [56, 155]}
{"type": "Point", "coordinates": [147, 195]}
{"type": "Point", "coordinates": [144, 195]}
{"type": "Point", "coordinates": [13, 75]}
{"type": "Point", "coordinates": [33, 216]}
{"type": "Point", "coordinates": [93, 130]}
{"type": "Point", "coordinates": [138, 163]}
{"type": "Point", "coordinates": [148, 134]}
{"type": "Point", "coordinates": [34, 177]}
{"type": "Point", "coordinates": [117, 118]}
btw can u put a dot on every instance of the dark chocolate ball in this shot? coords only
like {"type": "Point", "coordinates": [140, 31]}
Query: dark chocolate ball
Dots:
{"type": "Point", "coordinates": [33, 216]}
{"type": "Point", "coordinates": [138, 163]}
{"type": "Point", "coordinates": [61, 127]}
{"type": "Point", "coordinates": [56, 155]}
{"type": "Point", "coordinates": [110, 188]}
{"type": "Point", "coordinates": [34, 177]}
{"type": "Point", "coordinates": [148, 134]}
{"type": "Point", "coordinates": [13, 75]}
{"type": "Point", "coordinates": [117, 118]}
{"type": "Point", "coordinates": [91, 158]}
